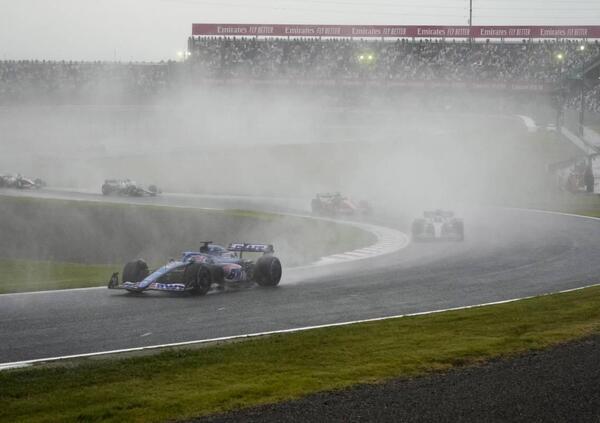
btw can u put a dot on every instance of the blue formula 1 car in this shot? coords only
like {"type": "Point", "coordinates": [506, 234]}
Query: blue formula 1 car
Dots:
{"type": "Point", "coordinates": [197, 271]}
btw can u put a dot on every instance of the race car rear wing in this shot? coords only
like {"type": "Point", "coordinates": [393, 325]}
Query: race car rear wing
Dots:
{"type": "Point", "coordinates": [251, 248]}
{"type": "Point", "coordinates": [328, 194]}
{"type": "Point", "coordinates": [441, 213]}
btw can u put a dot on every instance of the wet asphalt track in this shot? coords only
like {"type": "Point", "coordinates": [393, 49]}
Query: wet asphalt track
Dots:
{"type": "Point", "coordinates": [507, 254]}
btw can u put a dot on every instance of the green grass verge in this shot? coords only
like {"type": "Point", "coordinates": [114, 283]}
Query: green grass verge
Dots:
{"type": "Point", "coordinates": [28, 275]}
{"type": "Point", "coordinates": [180, 384]}
{"type": "Point", "coordinates": [83, 204]}
{"type": "Point", "coordinates": [97, 237]}
{"type": "Point", "coordinates": [593, 213]}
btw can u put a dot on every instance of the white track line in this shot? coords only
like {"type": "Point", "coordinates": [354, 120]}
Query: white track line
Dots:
{"type": "Point", "coordinates": [388, 241]}
{"type": "Point", "coordinates": [28, 363]}
{"type": "Point", "coordinates": [529, 123]}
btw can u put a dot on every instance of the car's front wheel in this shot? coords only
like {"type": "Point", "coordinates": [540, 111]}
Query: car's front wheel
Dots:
{"type": "Point", "coordinates": [135, 271]}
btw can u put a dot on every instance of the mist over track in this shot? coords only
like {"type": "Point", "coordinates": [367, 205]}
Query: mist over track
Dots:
{"type": "Point", "coordinates": [105, 233]}
{"type": "Point", "coordinates": [507, 254]}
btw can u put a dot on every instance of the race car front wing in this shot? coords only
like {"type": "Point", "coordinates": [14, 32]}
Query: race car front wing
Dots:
{"type": "Point", "coordinates": [114, 283]}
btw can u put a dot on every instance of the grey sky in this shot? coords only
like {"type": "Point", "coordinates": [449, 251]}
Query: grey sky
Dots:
{"type": "Point", "coordinates": [157, 29]}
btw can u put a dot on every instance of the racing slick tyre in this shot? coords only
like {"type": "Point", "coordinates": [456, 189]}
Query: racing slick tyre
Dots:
{"type": "Point", "coordinates": [153, 189]}
{"type": "Point", "coordinates": [135, 271]}
{"type": "Point", "coordinates": [267, 271]}
{"type": "Point", "coordinates": [197, 279]}
{"type": "Point", "coordinates": [106, 189]}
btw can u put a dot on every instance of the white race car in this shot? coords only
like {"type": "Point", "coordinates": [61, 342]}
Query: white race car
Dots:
{"type": "Point", "coordinates": [438, 225]}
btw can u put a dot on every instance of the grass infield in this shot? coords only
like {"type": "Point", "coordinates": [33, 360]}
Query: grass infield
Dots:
{"type": "Point", "coordinates": [29, 275]}
{"type": "Point", "coordinates": [101, 229]}
{"type": "Point", "coordinates": [183, 383]}
{"type": "Point", "coordinates": [595, 213]}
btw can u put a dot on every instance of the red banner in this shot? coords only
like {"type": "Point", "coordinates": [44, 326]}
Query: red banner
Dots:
{"type": "Point", "coordinates": [394, 31]}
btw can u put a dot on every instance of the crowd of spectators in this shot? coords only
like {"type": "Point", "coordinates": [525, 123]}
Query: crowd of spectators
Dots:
{"type": "Point", "coordinates": [545, 63]}
{"type": "Point", "coordinates": [73, 82]}
{"type": "Point", "coordinates": [592, 99]}
{"type": "Point", "coordinates": [426, 60]}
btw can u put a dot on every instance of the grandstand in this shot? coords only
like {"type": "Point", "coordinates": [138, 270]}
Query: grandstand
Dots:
{"type": "Point", "coordinates": [591, 73]}
{"type": "Point", "coordinates": [423, 60]}
{"type": "Point", "coordinates": [520, 59]}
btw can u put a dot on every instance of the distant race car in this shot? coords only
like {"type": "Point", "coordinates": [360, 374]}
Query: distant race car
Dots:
{"type": "Point", "coordinates": [20, 182]}
{"type": "Point", "coordinates": [438, 225]}
{"type": "Point", "coordinates": [332, 204]}
{"type": "Point", "coordinates": [197, 271]}
{"type": "Point", "coordinates": [127, 187]}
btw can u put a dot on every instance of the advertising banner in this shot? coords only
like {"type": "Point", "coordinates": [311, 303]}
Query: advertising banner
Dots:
{"type": "Point", "coordinates": [393, 31]}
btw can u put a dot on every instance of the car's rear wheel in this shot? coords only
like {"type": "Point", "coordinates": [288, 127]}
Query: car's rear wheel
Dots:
{"type": "Point", "coordinates": [268, 271]}
{"type": "Point", "coordinates": [135, 271]}
{"type": "Point", "coordinates": [197, 279]}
